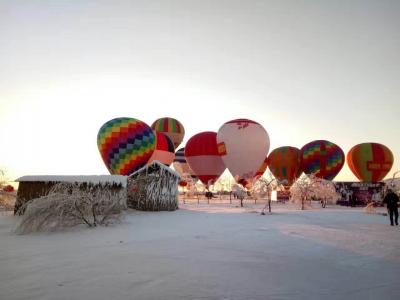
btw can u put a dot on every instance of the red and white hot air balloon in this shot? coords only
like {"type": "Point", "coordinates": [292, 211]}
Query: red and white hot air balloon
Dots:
{"type": "Point", "coordinates": [243, 145]}
{"type": "Point", "coordinates": [202, 155]}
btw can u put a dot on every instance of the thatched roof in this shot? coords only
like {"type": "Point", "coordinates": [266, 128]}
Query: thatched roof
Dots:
{"type": "Point", "coordinates": [88, 179]}
{"type": "Point", "coordinates": [154, 167]}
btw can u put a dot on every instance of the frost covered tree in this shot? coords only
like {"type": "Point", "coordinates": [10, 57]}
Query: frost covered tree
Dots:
{"type": "Point", "coordinates": [302, 189]}
{"type": "Point", "coordinates": [262, 189]}
{"type": "Point", "coordinates": [70, 204]}
{"type": "Point", "coordinates": [325, 191]}
{"type": "Point", "coordinates": [240, 192]}
{"type": "Point", "coordinates": [309, 187]}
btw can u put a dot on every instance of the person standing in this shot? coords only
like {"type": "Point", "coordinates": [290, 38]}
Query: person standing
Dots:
{"type": "Point", "coordinates": [391, 200]}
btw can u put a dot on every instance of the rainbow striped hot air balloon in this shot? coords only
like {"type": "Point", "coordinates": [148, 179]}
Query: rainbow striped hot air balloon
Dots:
{"type": "Point", "coordinates": [172, 128]}
{"type": "Point", "coordinates": [125, 145]}
{"type": "Point", "coordinates": [370, 162]}
{"type": "Point", "coordinates": [322, 158]}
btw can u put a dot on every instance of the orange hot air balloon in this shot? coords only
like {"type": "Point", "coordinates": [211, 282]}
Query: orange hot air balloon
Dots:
{"type": "Point", "coordinates": [370, 162]}
{"type": "Point", "coordinates": [285, 164]}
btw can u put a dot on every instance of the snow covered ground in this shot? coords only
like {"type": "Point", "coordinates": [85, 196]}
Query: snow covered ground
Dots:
{"type": "Point", "coordinates": [208, 252]}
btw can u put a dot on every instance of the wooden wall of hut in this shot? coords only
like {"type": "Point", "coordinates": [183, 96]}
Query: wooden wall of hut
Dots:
{"type": "Point", "coordinates": [28, 190]}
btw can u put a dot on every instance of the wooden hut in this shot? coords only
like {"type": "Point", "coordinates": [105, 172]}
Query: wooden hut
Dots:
{"type": "Point", "coordinates": [153, 188]}
{"type": "Point", "coordinates": [31, 187]}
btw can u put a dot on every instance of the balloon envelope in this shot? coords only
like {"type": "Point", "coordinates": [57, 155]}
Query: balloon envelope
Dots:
{"type": "Point", "coordinates": [243, 145]}
{"type": "Point", "coordinates": [125, 145]}
{"type": "Point", "coordinates": [164, 151]}
{"type": "Point", "coordinates": [285, 164]}
{"type": "Point", "coordinates": [180, 164]}
{"type": "Point", "coordinates": [172, 128]}
{"type": "Point", "coordinates": [323, 158]}
{"type": "Point", "coordinates": [202, 155]}
{"type": "Point", "coordinates": [370, 162]}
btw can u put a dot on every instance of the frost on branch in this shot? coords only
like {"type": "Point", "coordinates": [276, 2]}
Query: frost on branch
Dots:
{"type": "Point", "coordinates": [7, 198]}
{"type": "Point", "coordinates": [70, 204]}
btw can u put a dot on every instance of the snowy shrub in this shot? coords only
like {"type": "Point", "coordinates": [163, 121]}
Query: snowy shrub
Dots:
{"type": "Point", "coordinates": [69, 204]}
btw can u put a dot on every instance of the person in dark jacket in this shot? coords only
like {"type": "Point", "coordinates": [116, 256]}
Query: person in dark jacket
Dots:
{"type": "Point", "coordinates": [391, 200]}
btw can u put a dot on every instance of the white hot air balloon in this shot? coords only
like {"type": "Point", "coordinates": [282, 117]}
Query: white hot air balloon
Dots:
{"type": "Point", "coordinates": [243, 145]}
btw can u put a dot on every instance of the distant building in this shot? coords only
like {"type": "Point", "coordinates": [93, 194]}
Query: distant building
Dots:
{"type": "Point", "coordinates": [359, 193]}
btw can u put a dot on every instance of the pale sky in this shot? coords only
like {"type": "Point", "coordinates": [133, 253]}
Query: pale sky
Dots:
{"type": "Point", "coordinates": [305, 70]}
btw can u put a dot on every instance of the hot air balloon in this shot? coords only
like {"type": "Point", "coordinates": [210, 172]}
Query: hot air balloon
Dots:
{"type": "Point", "coordinates": [261, 170]}
{"type": "Point", "coordinates": [125, 145]}
{"type": "Point", "coordinates": [172, 128]}
{"type": "Point", "coordinates": [181, 166]}
{"type": "Point", "coordinates": [370, 161]}
{"type": "Point", "coordinates": [164, 151]}
{"type": "Point", "coordinates": [243, 145]}
{"type": "Point", "coordinates": [202, 155]}
{"type": "Point", "coordinates": [322, 158]}
{"type": "Point", "coordinates": [285, 164]}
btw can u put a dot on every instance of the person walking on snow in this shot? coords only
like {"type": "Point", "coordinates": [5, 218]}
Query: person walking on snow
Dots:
{"type": "Point", "coordinates": [391, 200]}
